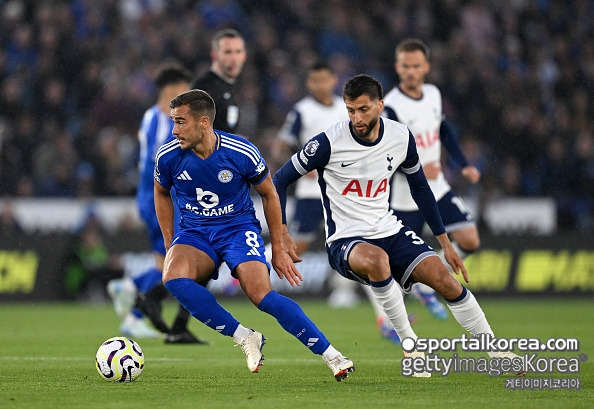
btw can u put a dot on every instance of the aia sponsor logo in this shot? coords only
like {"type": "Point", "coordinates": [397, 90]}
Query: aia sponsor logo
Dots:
{"type": "Point", "coordinates": [366, 188]}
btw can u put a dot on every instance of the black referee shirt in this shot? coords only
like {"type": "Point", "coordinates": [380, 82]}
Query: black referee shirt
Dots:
{"type": "Point", "coordinates": [227, 110]}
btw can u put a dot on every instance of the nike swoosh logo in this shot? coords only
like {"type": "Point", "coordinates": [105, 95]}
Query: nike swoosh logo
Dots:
{"type": "Point", "coordinates": [344, 165]}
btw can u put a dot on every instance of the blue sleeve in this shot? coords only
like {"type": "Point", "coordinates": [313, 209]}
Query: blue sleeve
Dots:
{"type": "Point", "coordinates": [390, 113]}
{"type": "Point", "coordinates": [314, 155]}
{"type": "Point", "coordinates": [161, 171]}
{"type": "Point", "coordinates": [255, 165]}
{"type": "Point", "coordinates": [412, 156]}
{"type": "Point", "coordinates": [282, 179]}
{"type": "Point", "coordinates": [420, 190]}
{"type": "Point", "coordinates": [449, 139]}
{"type": "Point", "coordinates": [296, 127]}
{"type": "Point", "coordinates": [289, 132]}
{"type": "Point", "coordinates": [161, 175]}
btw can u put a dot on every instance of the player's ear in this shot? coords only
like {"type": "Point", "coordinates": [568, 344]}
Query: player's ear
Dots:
{"type": "Point", "coordinates": [204, 121]}
{"type": "Point", "coordinates": [381, 105]}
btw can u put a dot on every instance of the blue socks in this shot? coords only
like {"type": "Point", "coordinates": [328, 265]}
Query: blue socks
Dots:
{"type": "Point", "coordinates": [145, 282]}
{"type": "Point", "coordinates": [148, 280]}
{"type": "Point", "coordinates": [202, 305]}
{"type": "Point", "coordinates": [292, 318]}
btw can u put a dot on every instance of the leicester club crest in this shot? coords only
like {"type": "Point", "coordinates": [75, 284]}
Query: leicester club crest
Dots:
{"type": "Point", "coordinates": [225, 176]}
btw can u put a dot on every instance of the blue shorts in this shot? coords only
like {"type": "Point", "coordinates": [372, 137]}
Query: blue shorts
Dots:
{"type": "Point", "coordinates": [405, 250]}
{"type": "Point", "coordinates": [233, 244]}
{"type": "Point", "coordinates": [307, 219]}
{"type": "Point", "coordinates": [154, 231]}
{"type": "Point", "coordinates": [454, 214]}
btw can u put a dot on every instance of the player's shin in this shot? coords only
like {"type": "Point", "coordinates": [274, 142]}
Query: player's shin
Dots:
{"type": "Point", "coordinates": [202, 305]}
{"type": "Point", "coordinates": [388, 295]}
{"type": "Point", "coordinates": [469, 314]}
{"type": "Point", "coordinates": [293, 320]}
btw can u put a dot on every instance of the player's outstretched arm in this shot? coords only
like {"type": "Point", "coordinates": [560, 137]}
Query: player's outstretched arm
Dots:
{"type": "Point", "coordinates": [164, 210]}
{"type": "Point", "coordinates": [290, 245]}
{"type": "Point", "coordinates": [281, 260]}
{"type": "Point", "coordinates": [451, 256]}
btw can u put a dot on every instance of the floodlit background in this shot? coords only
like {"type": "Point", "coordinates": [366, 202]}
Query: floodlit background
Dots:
{"type": "Point", "coordinates": [516, 78]}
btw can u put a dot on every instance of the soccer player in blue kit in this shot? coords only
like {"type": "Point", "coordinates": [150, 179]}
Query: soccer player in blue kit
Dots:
{"type": "Point", "coordinates": [365, 242]}
{"type": "Point", "coordinates": [155, 128]}
{"type": "Point", "coordinates": [212, 172]}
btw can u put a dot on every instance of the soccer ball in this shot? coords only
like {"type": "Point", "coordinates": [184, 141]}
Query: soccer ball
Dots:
{"type": "Point", "coordinates": [119, 359]}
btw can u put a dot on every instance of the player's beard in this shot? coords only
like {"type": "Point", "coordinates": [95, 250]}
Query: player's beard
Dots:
{"type": "Point", "coordinates": [363, 134]}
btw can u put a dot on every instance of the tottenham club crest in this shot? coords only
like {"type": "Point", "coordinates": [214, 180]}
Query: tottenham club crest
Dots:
{"type": "Point", "coordinates": [225, 176]}
{"type": "Point", "coordinates": [389, 159]}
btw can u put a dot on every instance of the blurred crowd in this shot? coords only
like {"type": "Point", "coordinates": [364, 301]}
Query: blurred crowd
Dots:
{"type": "Point", "coordinates": [517, 79]}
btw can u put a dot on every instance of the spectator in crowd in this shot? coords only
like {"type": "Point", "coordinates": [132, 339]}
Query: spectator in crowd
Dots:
{"type": "Point", "coordinates": [90, 62]}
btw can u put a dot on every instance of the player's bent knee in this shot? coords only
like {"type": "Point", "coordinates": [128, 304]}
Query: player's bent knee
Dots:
{"type": "Point", "coordinates": [470, 245]}
{"type": "Point", "coordinates": [446, 285]}
{"type": "Point", "coordinates": [370, 261]}
{"type": "Point", "coordinates": [468, 240]}
{"type": "Point", "coordinates": [178, 267]}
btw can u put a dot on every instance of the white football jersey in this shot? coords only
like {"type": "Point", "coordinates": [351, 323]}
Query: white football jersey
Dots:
{"type": "Point", "coordinates": [423, 117]}
{"type": "Point", "coordinates": [354, 178]}
{"type": "Point", "coordinates": [307, 119]}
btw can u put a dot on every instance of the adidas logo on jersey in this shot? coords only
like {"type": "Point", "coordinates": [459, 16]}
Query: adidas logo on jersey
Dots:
{"type": "Point", "coordinates": [184, 176]}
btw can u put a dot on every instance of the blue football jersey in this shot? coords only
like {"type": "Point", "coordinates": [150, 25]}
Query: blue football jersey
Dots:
{"type": "Point", "coordinates": [155, 129]}
{"type": "Point", "coordinates": [215, 190]}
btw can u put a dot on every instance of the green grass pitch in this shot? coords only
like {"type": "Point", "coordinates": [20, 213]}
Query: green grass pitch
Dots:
{"type": "Point", "coordinates": [48, 351]}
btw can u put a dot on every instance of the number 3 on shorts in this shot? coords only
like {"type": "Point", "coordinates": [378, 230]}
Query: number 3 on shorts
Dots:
{"type": "Point", "coordinates": [415, 239]}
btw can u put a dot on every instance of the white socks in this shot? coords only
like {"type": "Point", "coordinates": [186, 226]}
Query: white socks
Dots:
{"type": "Point", "coordinates": [389, 297]}
{"type": "Point", "coordinates": [241, 333]}
{"type": "Point", "coordinates": [377, 309]}
{"type": "Point", "coordinates": [330, 353]}
{"type": "Point", "coordinates": [469, 314]}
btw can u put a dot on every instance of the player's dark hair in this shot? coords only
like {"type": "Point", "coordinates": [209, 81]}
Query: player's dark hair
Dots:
{"type": "Point", "coordinates": [412, 44]}
{"type": "Point", "coordinates": [225, 33]}
{"type": "Point", "coordinates": [171, 73]}
{"type": "Point", "coordinates": [362, 84]}
{"type": "Point", "coordinates": [199, 101]}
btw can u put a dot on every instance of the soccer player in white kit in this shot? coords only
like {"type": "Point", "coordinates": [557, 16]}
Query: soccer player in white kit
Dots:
{"type": "Point", "coordinates": [311, 115]}
{"type": "Point", "coordinates": [365, 242]}
{"type": "Point", "coordinates": [418, 106]}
